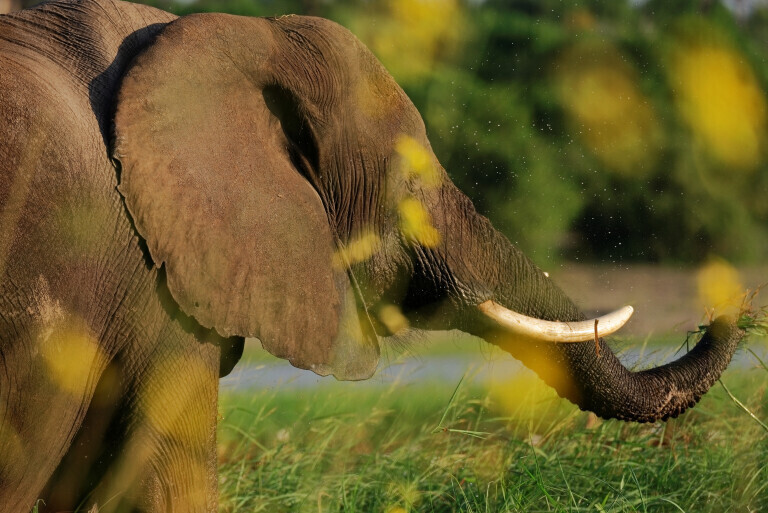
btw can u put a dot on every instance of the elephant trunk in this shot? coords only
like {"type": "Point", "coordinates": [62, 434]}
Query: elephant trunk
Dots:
{"type": "Point", "coordinates": [598, 382]}
{"type": "Point", "coordinates": [485, 266]}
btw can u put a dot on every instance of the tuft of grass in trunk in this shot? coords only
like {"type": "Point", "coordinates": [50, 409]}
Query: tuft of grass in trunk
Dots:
{"type": "Point", "coordinates": [752, 319]}
{"type": "Point", "coordinates": [754, 323]}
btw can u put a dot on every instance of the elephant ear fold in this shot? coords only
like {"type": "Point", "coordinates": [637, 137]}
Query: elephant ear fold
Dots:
{"type": "Point", "coordinates": [208, 179]}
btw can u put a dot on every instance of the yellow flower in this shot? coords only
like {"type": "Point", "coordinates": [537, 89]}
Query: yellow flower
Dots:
{"type": "Point", "coordinates": [720, 99]}
{"type": "Point", "coordinates": [359, 249]}
{"type": "Point", "coordinates": [416, 224]}
{"type": "Point", "coordinates": [392, 317]}
{"type": "Point", "coordinates": [605, 108]}
{"type": "Point", "coordinates": [410, 36]}
{"type": "Point", "coordinates": [417, 161]}
{"type": "Point", "coordinates": [720, 286]}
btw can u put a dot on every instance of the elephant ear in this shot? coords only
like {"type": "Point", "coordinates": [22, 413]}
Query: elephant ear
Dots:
{"type": "Point", "coordinates": [210, 180]}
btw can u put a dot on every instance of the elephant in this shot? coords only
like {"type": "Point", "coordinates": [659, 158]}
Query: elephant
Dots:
{"type": "Point", "coordinates": [171, 185]}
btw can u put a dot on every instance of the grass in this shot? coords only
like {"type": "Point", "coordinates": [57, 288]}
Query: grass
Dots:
{"type": "Point", "coordinates": [455, 343]}
{"type": "Point", "coordinates": [470, 446]}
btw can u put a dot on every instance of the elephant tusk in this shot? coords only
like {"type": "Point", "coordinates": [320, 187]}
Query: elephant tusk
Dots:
{"type": "Point", "coordinates": [555, 331]}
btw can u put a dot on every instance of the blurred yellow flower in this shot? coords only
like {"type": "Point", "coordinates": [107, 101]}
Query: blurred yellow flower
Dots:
{"type": "Point", "coordinates": [523, 395]}
{"type": "Point", "coordinates": [393, 319]}
{"type": "Point", "coordinates": [409, 36]}
{"type": "Point", "coordinates": [168, 398]}
{"type": "Point", "coordinates": [415, 223]}
{"type": "Point", "coordinates": [417, 161]}
{"type": "Point", "coordinates": [70, 353]}
{"type": "Point", "coordinates": [357, 250]}
{"type": "Point", "coordinates": [720, 99]}
{"type": "Point", "coordinates": [606, 109]}
{"type": "Point", "coordinates": [720, 287]}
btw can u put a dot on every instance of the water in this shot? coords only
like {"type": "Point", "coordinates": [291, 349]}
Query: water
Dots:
{"type": "Point", "coordinates": [447, 369]}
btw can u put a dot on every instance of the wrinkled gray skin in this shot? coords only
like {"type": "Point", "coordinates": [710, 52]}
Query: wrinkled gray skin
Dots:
{"type": "Point", "coordinates": [169, 187]}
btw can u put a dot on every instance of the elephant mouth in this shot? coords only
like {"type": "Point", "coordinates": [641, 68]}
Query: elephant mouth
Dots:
{"type": "Point", "coordinates": [556, 331]}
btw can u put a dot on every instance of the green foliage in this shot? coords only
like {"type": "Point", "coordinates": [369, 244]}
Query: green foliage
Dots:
{"type": "Point", "coordinates": [574, 125]}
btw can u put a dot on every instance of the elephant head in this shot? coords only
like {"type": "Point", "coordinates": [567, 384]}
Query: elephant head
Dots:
{"type": "Point", "coordinates": [287, 185]}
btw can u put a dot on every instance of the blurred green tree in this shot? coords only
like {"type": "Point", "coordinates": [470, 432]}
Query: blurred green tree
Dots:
{"type": "Point", "coordinates": [584, 129]}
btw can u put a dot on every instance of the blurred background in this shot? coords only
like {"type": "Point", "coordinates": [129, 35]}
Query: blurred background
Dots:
{"type": "Point", "coordinates": [623, 131]}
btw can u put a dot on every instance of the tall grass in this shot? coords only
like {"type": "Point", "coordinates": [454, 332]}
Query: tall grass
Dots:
{"type": "Point", "coordinates": [415, 447]}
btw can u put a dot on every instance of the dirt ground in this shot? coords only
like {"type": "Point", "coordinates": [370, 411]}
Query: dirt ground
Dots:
{"type": "Point", "coordinates": [666, 299]}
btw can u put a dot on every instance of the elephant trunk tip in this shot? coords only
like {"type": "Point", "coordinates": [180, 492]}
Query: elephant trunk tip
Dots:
{"type": "Point", "coordinates": [665, 392]}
